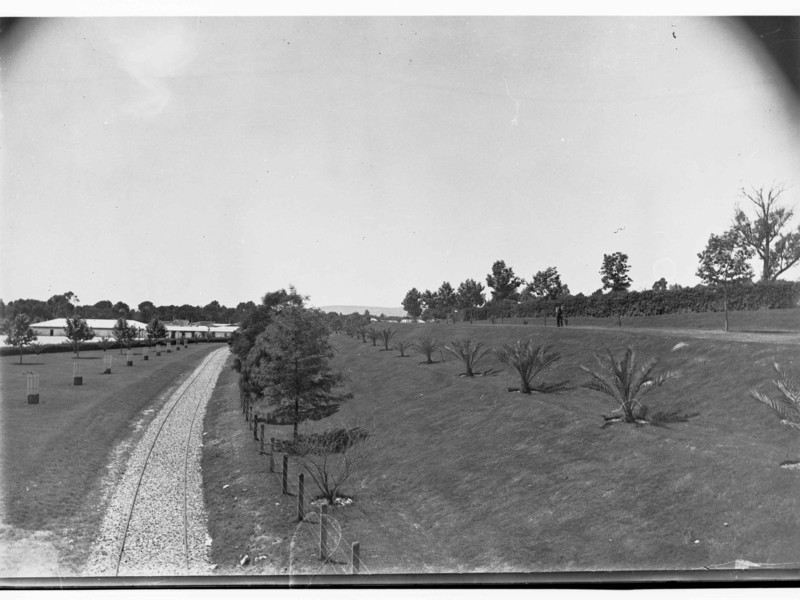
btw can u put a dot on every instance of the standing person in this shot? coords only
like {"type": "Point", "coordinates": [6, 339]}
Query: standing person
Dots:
{"type": "Point", "coordinates": [559, 316]}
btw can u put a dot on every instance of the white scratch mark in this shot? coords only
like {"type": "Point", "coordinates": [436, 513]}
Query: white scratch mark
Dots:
{"type": "Point", "coordinates": [515, 120]}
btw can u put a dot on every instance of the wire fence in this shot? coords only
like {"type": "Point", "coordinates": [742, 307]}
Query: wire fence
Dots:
{"type": "Point", "coordinates": [316, 530]}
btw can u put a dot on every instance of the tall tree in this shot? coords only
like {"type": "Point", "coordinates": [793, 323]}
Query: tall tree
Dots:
{"type": "Point", "coordinates": [446, 300]}
{"type": "Point", "coordinates": [290, 364]}
{"type": "Point", "coordinates": [615, 272]}
{"type": "Point", "coordinates": [469, 296]}
{"type": "Point", "coordinates": [724, 262]}
{"type": "Point", "coordinates": [19, 333]}
{"type": "Point", "coordinates": [412, 303]}
{"type": "Point", "coordinates": [121, 309]}
{"type": "Point", "coordinates": [547, 283]}
{"type": "Point", "coordinates": [62, 304]}
{"type": "Point", "coordinates": [660, 285]}
{"type": "Point", "coordinates": [765, 234]}
{"type": "Point", "coordinates": [503, 282]}
{"type": "Point", "coordinates": [146, 310]}
{"type": "Point", "coordinates": [77, 330]}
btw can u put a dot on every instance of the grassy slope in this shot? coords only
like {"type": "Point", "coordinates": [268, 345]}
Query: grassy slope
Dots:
{"type": "Point", "coordinates": [477, 478]}
{"type": "Point", "coordinates": [55, 453]}
{"type": "Point", "coordinates": [468, 477]}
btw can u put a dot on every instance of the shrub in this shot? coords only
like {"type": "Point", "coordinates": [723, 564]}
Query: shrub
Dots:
{"type": "Point", "coordinates": [626, 383]}
{"type": "Point", "coordinates": [527, 360]}
{"type": "Point", "coordinates": [470, 355]}
{"type": "Point", "coordinates": [426, 346]}
{"type": "Point", "coordinates": [330, 457]}
{"type": "Point", "coordinates": [787, 405]}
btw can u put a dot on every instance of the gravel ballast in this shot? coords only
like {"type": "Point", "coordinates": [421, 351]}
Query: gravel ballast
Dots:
{"type": "Point", "coordinates": [155, 524]}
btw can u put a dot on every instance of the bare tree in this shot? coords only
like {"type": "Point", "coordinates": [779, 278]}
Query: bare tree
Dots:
{"type": "Point", "coordinates": [765, 235]}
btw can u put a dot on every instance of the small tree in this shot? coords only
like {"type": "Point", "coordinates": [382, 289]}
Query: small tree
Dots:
{"type": "Point", "coordinates": [156, 331]}
{"type": "Point", "coordinates": [76, 331]}
{"type": "Point", "coordinates": [331, 457]}
{"type": "Point", "coordinates": [527, 360]}
{"type": "Point", "coordinates": [124, 334]}
{"type": "Point", "coordinates": [387, 335]}
{"type": "Point", "coordinates": [19, 333]}
{"type": "Point", "coordinates": [625, 382]}
{"type": "Point", "coordinates": [105, 342]}
{"type": "Point", "coordinates": [546, 284]}
{"type": "Point", "coordinates": [723, 262]}
{"type": "Point", "coordinates": [787, 405]}
{"type": "Point", "coordinates": [426, 345]}
{"type": "Point", "coordinates": [470, 355]}
{"type": "Point", "coordinates": [37, 348]}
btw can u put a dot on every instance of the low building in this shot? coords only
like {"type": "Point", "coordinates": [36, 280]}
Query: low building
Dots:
{"type": "Point", "coordinates": [102, 327]}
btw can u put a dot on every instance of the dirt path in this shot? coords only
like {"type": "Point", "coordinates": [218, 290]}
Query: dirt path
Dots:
{"type": "Point", "coordinates": [156, 521]}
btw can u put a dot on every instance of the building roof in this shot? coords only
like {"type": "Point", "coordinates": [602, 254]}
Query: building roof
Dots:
{"type": "Point", "coordinates": [93, 323]}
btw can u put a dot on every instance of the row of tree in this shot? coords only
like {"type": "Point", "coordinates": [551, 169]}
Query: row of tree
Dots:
{"type": "Point", "coordinates": [723, 263]}
{"type": "Point", "coordinates": [19, 333]}
{"type": "Point", "coordinates": [66, 305]}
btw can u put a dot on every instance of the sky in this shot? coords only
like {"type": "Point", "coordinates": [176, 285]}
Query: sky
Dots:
{"type": "Point", "coordinates": [185, 160]}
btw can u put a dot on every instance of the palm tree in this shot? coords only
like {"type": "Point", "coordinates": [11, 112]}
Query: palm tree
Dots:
{"type": "Point", "coordinates": [469, 354]}
{"type": "Point", "coordinates": [427, 346]}
{"type": "Point", "coordinates": [623, 381]}
{"type": "Point", "coordinates": [527, 360]}
{"type": "Point", "coordinates": [787, 406]}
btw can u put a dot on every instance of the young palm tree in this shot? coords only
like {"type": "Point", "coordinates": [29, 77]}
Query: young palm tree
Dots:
{"type": "Point", "coordinates": [527, 360]}
{"type": "Point", "coordinates": [427, 346]}
{"type": "Point", "coordinates": [402, 346]}
{"type": "Point", "coordinates": [623, 381]}
{"type": "Point", "coordinates": [787, 406]}
{"type": "Point", "coordinates": [386, 336]}
{"type": "Point", "coordinates": [374, 335]}
{"type": "Point", "coordinates": [469, 354]}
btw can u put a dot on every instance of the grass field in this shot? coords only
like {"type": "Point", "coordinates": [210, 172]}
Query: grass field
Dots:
{"type": "Point", "coordinates": [471, 478]}
{"type": "Point", "coordinates": [55, 453]}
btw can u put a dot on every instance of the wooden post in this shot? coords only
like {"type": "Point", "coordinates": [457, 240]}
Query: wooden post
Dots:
{"type": "Point", "coordinates": [285, 475]}
{"type": "Point", "coordinates": [261, 450]}
{"type": "Point", "coordinates": [355, 560]}
{"type": "Point", "coordinates": [323, 532]}
{"type": "Point", "coordinates": [255, 428]}
{"type": "Point", "coordinates": [271, 455]}
{"type": "Point", "coordinates": [77, 378]}
{"type": "Point", "coordinates": [301, 489]}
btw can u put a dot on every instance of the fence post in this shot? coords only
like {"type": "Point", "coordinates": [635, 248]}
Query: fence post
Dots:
{"type": "Point", "coordinates": [255, 428]}
{"type": "Point", "coordinates": [323, 532]}
{"type": "Point", "coordinates": [77, 378]}
{"type": "Point", "coordinates": [355, 551]}
{"type": "Point", "coordinates": [271, 455]}
{"type": "Point", "coordinates": [301, 489]}
{"type": "Point", "coordinates": [285, 475]}
{"type": "Point", "coordinates": [261, 451]}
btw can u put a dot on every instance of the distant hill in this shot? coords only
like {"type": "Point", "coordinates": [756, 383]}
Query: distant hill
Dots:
{"type": "Point", "coordinates": [389, 311]}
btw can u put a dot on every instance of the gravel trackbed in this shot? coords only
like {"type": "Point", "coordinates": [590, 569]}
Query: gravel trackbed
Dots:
{"type": "Point", "coordinates": [155, 524]}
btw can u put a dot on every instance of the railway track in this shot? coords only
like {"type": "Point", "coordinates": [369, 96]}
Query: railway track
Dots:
{"type": "Point", "coordinates": [155, 524]}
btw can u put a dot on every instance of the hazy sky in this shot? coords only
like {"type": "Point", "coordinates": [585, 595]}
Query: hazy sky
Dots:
{"type": "Point", "coordinates": [182, 160]}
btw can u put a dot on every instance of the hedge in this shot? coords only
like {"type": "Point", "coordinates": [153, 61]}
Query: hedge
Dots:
{"type": "Point", "coordinates": [758, 296]}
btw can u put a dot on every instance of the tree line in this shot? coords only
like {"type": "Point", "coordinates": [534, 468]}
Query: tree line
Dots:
{"type": "Point", "coordinates": [723, 269]}
{"type": "Point", "coordinates": [65, 305]}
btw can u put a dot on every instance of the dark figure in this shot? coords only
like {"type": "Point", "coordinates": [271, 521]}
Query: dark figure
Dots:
{"type": "Point", "coordinates": [559, 316]}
